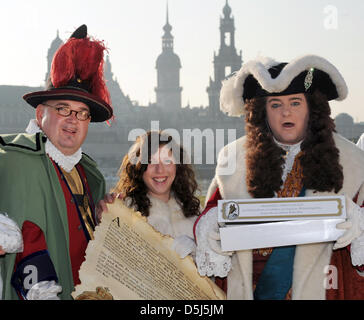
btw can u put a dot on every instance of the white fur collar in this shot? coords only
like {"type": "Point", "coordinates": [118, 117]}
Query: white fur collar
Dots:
{"type": "Point", "coordinates": [167, 217]}
{"type": "Point", "coordinates": [231, 100]}
{"type": "Point", "coordinates": [158, 204]}
{"type": "Point", "coordinates": [65, 162]}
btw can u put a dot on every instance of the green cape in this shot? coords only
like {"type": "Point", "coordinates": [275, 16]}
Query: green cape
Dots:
{"type": "Point", "coordinates": [30, 190]}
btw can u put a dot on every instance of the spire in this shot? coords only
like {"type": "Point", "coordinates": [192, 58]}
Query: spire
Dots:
{"type": "Point", "coordinates": [56, 43]}
{"type": "Point", "coordinates": [167, 27]}
{"type": "Point", "coordinates": [107, 69]}
{"type": "Point", "coordinates": [227, 10]}
{"type": "Point", "coordinates": [167, 13]}
{"type": "Point", "coordinates": [167, 38]}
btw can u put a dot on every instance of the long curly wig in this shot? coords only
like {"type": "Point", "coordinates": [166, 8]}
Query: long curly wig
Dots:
{"type": "Point", "coordinates": [320, 159]}
{"type": "Point", "coordinates": [135, 163]}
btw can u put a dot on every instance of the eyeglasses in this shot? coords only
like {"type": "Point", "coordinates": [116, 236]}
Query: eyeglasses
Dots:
{"type": "Point", "coordinates": [65, 111]}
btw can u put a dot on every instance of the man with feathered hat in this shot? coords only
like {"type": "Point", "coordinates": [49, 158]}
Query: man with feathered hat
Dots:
{"type": "Point", "coordinates": [49, 187]}
{"type": "Point", "coordinates": [290, 149]}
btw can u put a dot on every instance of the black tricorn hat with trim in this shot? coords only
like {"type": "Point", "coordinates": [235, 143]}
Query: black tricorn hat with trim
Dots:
{"type": "Point", "coordinates": [266, 77]}
{"type": "Point", "coordinates": [77, 73]}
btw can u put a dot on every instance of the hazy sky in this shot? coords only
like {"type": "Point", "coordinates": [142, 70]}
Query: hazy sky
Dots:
{"type": "Point", "coordinates": [132, 30]}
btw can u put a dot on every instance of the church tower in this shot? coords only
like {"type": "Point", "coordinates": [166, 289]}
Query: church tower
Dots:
{"type": "Point", "coordinates": [56, 43]}
{"type": "Point", "coordinates": [168, 65]}
{"type": "Point", "coordinates": [227, 60]}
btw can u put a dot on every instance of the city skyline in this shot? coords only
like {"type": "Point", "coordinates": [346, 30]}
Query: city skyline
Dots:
{"type": "Point", "coordinates": [132, 30]}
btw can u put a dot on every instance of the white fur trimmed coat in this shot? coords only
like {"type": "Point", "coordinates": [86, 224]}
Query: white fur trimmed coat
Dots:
{"type": "Point", "coordinates": [168, 217]}
{"type": "Point", "coordinates": [310, 259]}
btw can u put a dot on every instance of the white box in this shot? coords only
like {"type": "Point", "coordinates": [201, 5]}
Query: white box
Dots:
{"type": "Point", "coordinates": [275, 234]}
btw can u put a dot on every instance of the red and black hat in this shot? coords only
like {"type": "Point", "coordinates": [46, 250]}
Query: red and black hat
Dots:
{"type": "Point", "coordinates": [77, 73]}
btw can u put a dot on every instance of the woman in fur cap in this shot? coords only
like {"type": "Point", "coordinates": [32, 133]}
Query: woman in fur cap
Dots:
{"type": "Point", "coordinates": [290, 149]}
{"type": "Point", "coordinates": [156, 179]}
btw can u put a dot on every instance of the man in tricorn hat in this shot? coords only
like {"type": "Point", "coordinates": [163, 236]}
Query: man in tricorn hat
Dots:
{"type": "Point", "coordinates": [48, 186]}
{"type": "Point", "coordinates": [290, 150]}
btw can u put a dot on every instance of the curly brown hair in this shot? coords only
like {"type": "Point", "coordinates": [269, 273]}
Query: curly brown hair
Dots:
{"type": "Point", "coordinates": [320, 160]}
{"type": "Point", "coordinates": [135, 163]}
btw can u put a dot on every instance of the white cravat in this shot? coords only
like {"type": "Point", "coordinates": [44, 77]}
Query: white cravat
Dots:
{"type": "Point", "coordinates": [291, 151]}
{"type": "Point", "coordinates": [66, 162]}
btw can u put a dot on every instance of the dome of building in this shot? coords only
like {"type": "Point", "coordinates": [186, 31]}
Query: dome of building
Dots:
{"type": "Point", "coordinates": [344, 118]}
{"type": "Point", "coordinates": [168, 59]}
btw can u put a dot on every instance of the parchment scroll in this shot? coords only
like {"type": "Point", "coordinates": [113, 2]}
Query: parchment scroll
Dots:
{"type": "Point", "coordinates": [131, 260]}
